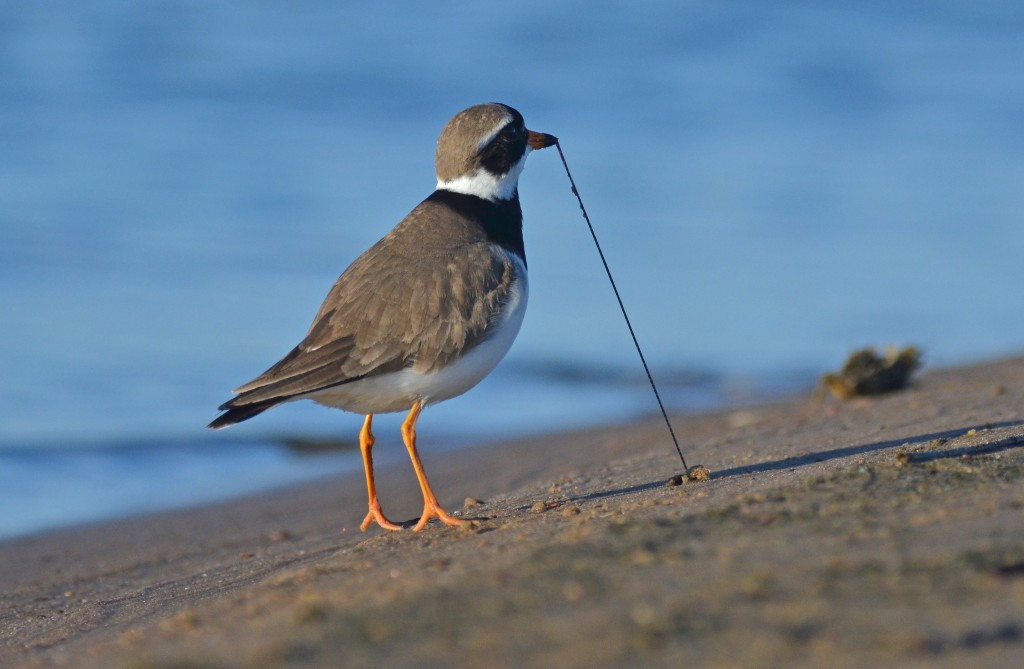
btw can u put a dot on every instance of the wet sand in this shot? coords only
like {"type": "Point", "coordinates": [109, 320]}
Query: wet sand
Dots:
{"type": "Point", "coordinates": [872, 532]}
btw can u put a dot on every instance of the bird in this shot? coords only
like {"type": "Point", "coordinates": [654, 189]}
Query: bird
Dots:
{"type": "Point", "coordinates": [428, 311]}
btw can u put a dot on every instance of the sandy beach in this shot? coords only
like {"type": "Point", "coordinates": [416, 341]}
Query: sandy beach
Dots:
{"type": "Point", "coordinates": [873, 532]}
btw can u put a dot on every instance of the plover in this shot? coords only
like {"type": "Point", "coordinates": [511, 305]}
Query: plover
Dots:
{"type": "Point", "coordinates": [428, 311]}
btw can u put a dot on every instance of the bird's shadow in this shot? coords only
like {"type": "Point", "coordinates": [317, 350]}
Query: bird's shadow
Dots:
{"type": "Point", "coordinates": [796, 461]}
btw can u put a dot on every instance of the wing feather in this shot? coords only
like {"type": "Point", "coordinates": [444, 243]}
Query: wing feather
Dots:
{"type": "Point", "coordinates": [421, 297]}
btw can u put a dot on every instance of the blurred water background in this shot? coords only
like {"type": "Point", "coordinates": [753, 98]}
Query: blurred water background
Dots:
{"type": "Point", "coordinates": [775, 184]}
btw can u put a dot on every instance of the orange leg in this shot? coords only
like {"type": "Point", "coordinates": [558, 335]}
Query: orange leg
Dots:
{"type": "Point", "coordinates": [365, 446]}
{"type": "Point", "coordinates": [431, 509]}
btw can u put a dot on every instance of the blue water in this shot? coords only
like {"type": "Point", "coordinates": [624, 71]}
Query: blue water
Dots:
{"type": "Point", "coordinates": [775, 184]}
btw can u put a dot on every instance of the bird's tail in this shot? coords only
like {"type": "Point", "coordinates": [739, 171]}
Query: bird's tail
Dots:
{"type": "Point", "coordinates": [236, 412]}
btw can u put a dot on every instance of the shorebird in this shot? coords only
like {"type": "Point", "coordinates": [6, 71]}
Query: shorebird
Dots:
{"type": "Point", "coordinates": [429, 310]}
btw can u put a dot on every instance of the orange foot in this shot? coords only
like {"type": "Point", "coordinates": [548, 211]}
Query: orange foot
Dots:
{"type": "Point", "coordinates": [376, 514]}
{"type": "Point", "coordinates": [433, 510]}
{"type": "Point", "coordinates": [366, 447]}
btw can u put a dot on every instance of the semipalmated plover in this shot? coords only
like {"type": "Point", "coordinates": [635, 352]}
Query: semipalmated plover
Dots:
{"type": "Point", "coordinates": [426, 312]}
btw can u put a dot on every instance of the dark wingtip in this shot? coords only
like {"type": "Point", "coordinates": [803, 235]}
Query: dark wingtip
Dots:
{"type": "Point", "coordinates": [236, 414]}
{"type": "Point", "coordinates": [221, 422]}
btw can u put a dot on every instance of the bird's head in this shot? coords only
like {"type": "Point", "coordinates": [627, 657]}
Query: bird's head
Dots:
{"type": "Point", "coordinates": [483, 149]}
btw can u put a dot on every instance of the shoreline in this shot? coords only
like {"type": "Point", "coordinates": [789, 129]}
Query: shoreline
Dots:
{"type": "Point", "coordinates": [198, 470]}
{"type": "Point", "coordinates": [874, 529]}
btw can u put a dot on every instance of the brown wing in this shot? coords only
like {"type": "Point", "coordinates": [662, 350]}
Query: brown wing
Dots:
{"type": "Point", "coordinates": [419, 300]}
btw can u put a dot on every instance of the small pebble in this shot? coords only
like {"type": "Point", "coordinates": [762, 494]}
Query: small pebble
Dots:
{"type": "Point", "coordinates": [471, 502]}
{"type": "Point", "coordinates": [538, 507]}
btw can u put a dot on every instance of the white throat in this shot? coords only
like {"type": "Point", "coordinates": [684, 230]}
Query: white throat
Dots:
{"type": "Point", "coordinates": [485, 185]}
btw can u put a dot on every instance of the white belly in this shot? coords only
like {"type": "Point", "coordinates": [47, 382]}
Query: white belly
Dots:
{"type": "Point", "coordinates": [399, 390]}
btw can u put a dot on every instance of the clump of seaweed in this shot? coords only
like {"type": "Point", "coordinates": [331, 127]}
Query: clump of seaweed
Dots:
{"type": "Point", "coordinates": [866, 372]}
{"type": "Point", "coordinates": [696, 474]}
